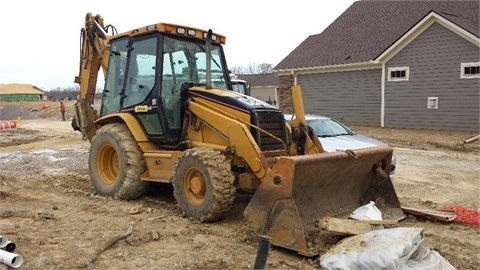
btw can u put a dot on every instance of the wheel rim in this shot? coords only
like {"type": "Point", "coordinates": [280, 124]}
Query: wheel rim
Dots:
{"type": "Point", "coordinates": [195, 186]}
{"type": "Point", "coordinates": [107, 163]}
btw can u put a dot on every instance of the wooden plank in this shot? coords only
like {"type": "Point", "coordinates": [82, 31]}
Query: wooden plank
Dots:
{"type": "Point", "coordinates": [381, 222]}
{"type": "Point", "coordinates": [472, 139]}
{"type": "Point", "coordinates": [348, 226]}
{"type": "Point", "coordinates": [442, 215]}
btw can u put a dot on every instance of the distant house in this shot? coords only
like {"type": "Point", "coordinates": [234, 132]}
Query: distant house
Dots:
{"type": "Point", "coordinates": [21, 92]}
{"type": "Point", "coordinates": [262, 86]}
{"type": "Point", "coordinates": [412, 64]}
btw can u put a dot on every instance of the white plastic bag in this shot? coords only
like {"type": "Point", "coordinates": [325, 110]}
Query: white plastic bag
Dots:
{"type": "Point", "coordinates": [367, 212]}
{"type": "Point", "coordinates": [395, 249]}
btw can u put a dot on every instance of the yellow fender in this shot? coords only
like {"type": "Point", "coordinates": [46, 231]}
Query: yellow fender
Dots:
{"type": "Point", "coordinates": [131, 122]}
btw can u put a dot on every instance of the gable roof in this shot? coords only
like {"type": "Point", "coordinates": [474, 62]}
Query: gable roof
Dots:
{"type": "Point", "coordinates": [268, 79]}
{"type": "Point", "coordinates": [369, 27]}
{"type": "Point", "coordinates": [6, 89]}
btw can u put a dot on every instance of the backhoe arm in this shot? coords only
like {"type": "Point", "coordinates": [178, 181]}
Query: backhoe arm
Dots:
{"type": "Point", "coordinates": [94, 53]}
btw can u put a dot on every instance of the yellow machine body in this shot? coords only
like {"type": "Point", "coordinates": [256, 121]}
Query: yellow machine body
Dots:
{"type": "Point", "coordinates": [190, 128]}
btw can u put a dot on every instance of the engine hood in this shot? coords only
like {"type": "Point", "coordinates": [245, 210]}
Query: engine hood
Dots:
{"type": "Point", "coordinates": [231, 99]}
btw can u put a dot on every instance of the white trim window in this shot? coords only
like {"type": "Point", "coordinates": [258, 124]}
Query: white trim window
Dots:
{"type": "Point", "coordinates": [398, 74]}
{"type": "Point", "coordinates": [470, 70]}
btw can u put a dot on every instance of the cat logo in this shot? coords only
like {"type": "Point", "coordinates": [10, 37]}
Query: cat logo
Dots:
{"type": "Point", "coordinates": [143, 108]}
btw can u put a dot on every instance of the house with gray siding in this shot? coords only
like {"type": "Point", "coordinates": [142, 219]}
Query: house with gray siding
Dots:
{"type": "Point", "coordinates": [408, 64]}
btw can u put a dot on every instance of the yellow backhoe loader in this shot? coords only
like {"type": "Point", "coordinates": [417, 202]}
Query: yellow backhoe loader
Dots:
{"type": "Point", "coordinates": [161, 120]}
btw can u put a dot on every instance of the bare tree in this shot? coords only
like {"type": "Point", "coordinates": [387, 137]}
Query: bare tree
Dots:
{"type": "Point", "coordinates": [252, 68]}
{"type": "Point", "coordinates": [264, 68]}
{"type": "Point", "coordinates": [238, 70]}
{"type": "Point", "coordinates": [69, 93]}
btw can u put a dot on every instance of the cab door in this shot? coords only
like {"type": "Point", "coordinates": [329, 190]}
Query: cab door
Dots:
{"type": "Point", "coordinates": [152, 86]}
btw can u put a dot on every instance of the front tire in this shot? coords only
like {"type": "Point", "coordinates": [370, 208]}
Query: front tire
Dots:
{"type": "Point", "coordinates": [203, 184]}
{"type": "Point", "coordinates": [116, 163]}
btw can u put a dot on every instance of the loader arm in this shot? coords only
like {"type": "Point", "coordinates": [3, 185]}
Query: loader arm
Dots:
{"type": "Point", "coordinates": [241, 142]}
{"type": "Point", "coordinates": [304, 140]}
{"type": "Point", "coordinates": [94, 53]}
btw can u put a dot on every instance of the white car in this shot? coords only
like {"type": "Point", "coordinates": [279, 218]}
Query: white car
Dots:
{"type": "Point", "coordinates": [336, 136]}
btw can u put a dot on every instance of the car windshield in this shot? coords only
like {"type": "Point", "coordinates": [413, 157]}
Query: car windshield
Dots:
{"type": "Point", "coordinates": [328, 128]}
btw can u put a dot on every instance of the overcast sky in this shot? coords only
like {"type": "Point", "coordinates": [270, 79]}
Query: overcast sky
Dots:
{"type": "Point", "coordinates": [40, 40]}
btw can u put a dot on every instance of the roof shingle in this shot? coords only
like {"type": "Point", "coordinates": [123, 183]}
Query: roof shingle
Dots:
{"type": "Point", "coordinates": [268, 79]}
{"type": "Point", "coordinates": [369, 27]}
{"type": "Point", "coordinates": [17, 88]}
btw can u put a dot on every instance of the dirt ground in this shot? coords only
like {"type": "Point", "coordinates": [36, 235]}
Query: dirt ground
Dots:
{"type": "Point", "coordinates": [48, 207]}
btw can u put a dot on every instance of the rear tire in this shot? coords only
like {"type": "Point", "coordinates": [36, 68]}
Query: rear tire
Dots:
{"type": "Point", "coordinates": [116, 163]}
{"type": "Point", "coordinates": [203, 184]}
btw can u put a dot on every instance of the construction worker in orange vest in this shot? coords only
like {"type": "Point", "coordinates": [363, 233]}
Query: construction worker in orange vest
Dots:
{"type": "Point", "coordinates": [62, 109]}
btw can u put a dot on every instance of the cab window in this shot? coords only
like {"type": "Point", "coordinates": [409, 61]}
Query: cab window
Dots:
{"type": "Point", "coordinates": [141, 71]}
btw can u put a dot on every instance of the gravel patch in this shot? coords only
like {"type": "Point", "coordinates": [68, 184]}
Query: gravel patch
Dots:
{"type": "Point", "coordinates": [21, 164]}
{"type": "Point", "coordinates": [14, 112]}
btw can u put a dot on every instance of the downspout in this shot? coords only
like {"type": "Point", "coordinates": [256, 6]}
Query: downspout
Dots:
{"type": "Point", "coordinates": [276, 99]}
{"type": "Point", "coordinates": [382, 106]}
{"type": "Point", "coordinates": [294, 77]}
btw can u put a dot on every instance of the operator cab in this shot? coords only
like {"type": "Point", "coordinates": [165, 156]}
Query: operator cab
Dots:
{"type": "Point", "coordinates": [145, 75]}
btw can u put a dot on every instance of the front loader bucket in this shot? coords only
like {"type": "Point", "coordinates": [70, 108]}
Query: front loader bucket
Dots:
{"type": "Point", "coordinates": [301, 190]}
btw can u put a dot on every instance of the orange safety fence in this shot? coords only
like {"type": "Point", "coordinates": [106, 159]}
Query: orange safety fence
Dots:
{"type": "Point", "coordinates": [465, 215]}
